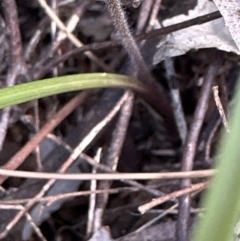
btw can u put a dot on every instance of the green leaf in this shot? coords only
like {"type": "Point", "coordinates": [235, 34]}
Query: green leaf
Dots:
{"type": "Point", "coordinates": [37, 89]}
{"type": "Point", "coordinates": [222, 200]}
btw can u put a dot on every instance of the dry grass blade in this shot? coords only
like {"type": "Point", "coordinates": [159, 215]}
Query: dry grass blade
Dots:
{"type": "Point", "coordinates": [109, 176]}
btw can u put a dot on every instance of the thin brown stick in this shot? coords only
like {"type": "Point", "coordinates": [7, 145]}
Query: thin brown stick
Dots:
{"type": "Point", "coordinates": [12, 21]}
{"type": "Point", "coordinates": [76, 152]}
{"type": "Point", "coordinates": [157, 201]}
{"type": "Point", "coordinates": [19, 157]}
{"type": "Point", "coordinates": [36, 129]}
{"type": "Point", "coordinates": [109, 176]}
{"type": "Point", "coordinates": [28, 216]}
{"type": "Point", "coordinates": [154, 14]}
{"type": "Point", "coordinates": [112, 156]}
{"type": "Point", "coordinates": [156, 219]}
{"type": "Point", "coordinates": [176, 99]}
{"type": "Point", "coordinates": [143, 15]}
{"type": "Point", "coordinates": [46, 67]}
{"type": "Point", "coordinates": [18, 65]}
{"type": "Point", "coordinates": [91, 223]}
{"type": "Point", "coordinates": [22, 212]}
{"type": "Point", "coordinates": [220, 107]}
{"type": "Point", "coordinates": [175, 27]}
{"type": "Point", "coordinates": [190, 149]}
{"type": "Point", "coordinates": [35, 39]}
{"type": "Point", "coordinates": [70, 25]}
{"type": "Point", "coordinates": [54, 198]}
{"type": "Point", "coordinates": [132, 183]}
{"type": "Point", "coordinates": [73, 39]}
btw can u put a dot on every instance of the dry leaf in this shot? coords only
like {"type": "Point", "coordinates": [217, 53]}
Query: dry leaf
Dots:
{"type": "Point", "coordinates": [230, 11]}
{"type": "Point", "coordinates": [213, 34]}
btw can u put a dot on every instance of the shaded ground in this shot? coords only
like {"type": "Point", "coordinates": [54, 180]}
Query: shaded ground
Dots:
{"type": "Point", "coordinates": [151, 138]}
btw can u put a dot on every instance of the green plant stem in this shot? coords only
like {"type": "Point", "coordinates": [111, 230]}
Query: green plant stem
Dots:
{"type": "Point", "coordinates": [34, 90]}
